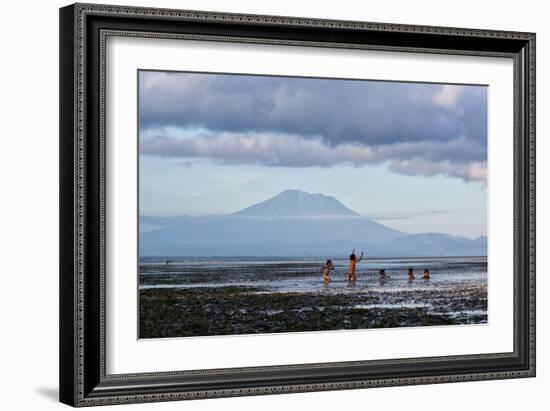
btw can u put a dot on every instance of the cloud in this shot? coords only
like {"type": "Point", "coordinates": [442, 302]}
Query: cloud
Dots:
{"type": "Point", "coordinates": [371, 112]}
{"type": "Point", "coordinates": [476, 171]}
{"type": "Point", "coordinates": [390, 216]}
{"type": "Point", "coordinates": [283, 150]}
{"type": "Point", "coordinates": [417, 129]}
{"type": "Point", "coordinates": [448, 96]}
{"type": "Point", "coordinates": [276, 150]}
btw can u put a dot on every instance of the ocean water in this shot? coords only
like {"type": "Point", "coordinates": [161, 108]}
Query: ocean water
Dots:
{"type": "Point", "coordinates": [304, 276]}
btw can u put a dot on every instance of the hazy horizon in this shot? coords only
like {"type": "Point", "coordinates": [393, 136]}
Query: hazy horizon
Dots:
{"type": "Point", "coordinates": [236, 212]}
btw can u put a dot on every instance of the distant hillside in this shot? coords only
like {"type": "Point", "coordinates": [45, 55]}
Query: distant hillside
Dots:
{"type": "Point", "coordinates": [293, 223]}
{"type": "Point", "coordinates": [432, 245]}
{"type": "Point", "coordinates": [238, 235]}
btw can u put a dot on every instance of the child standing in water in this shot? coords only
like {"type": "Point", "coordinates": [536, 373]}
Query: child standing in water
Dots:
{"type": "Point", "coordinates": [426, 275]}
{"type": "Point", "coordinates": [410, 274]}
{"type": "Point", "coordinates": [352, 263]}
{"type": "Point", "coordinates": [327, 268]}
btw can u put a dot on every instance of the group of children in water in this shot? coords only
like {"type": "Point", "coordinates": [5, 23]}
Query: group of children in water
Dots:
{"type": "Point", "coordinates": [353, 260]}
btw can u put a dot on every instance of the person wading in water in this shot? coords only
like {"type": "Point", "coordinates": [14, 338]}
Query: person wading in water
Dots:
{"type": "Point", "coordinates": [327, 268]}
{"type": "Point", "coordinates": [352, 263]}
{"type": "Point", "coordinates": [410, 275]}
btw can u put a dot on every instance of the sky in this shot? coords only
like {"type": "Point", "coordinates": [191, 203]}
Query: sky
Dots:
{"type": "Point", "coordinates": [412, 156]}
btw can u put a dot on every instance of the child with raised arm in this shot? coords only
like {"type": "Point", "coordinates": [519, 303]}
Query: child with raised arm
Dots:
{"type": "Point", "coordinates": [327, 268]}
{"type": "Point", "coordinates": [352, 263]}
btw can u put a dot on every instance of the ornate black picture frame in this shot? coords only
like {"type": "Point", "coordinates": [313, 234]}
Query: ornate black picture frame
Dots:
{"type": "Point", "coordinates": [83, 30]}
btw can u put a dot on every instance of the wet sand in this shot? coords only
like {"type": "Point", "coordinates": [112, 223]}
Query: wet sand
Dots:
{"type": "Point", "coordinates": [209, 310]}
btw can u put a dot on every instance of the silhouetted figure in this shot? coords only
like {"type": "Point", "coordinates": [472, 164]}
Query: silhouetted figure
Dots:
{"type": "Point", "coordinates": [327, 268]}
{"type": "Point", "coordinates": [382, 276]}
{"type": "Point", "coordinates": [352, 263]}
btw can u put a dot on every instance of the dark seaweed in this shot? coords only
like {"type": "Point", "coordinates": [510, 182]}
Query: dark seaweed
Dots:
{"type": "Point", "coordinates": [168, 312]}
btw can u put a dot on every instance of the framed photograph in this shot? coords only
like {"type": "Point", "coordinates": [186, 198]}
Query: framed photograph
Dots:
{"type": "Point", "coordinates": [262, 204]}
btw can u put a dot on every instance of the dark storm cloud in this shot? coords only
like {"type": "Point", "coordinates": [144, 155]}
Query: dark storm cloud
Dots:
{"type": "Point", "coordinates": [340, 111]}
{"type": "Point", "coordinates": [420, 129]}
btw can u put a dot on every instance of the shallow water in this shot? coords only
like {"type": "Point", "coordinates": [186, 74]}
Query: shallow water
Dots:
{"type": "Point", "coordinates": [301, 276]}
{"type": "Point", "coordinates": [198, 297]}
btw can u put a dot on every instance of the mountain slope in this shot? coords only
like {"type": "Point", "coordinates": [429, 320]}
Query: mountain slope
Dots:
{"type": "Point", "coordinates": [246, 236]}
{"type": "Point", "coordinates": [296, 203]}
{"type": "Point", "coordinates": [293, 223]}
{"type": "Point", "coordinates": [432, 245]}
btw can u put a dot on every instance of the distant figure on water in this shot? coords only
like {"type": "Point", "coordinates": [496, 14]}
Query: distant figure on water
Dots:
{"type": "Point", "coordinates": [410, 274]}
{"type": "Point", "coordinates": [426, 275]}
{"type": "Point", "coordinates": [327, 268]}
{"type": "Point", "coordinates": [352, 263]}
{"type": "Point", "coordinates": [382, 276]}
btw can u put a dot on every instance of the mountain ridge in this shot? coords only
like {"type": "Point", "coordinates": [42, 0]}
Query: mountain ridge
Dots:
{"type": "Point", "coordinates": [297, 203]}
{"type": "Point", "coordinates": [293, 223]}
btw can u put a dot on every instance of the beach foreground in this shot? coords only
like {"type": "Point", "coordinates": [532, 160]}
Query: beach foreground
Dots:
{"type": "Point", "coordinates": [205, 298]}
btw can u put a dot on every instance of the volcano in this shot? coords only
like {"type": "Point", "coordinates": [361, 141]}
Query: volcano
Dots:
{"type": "Point", "coordinates": [293, 223]}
